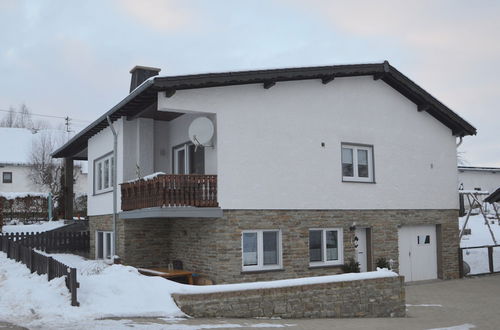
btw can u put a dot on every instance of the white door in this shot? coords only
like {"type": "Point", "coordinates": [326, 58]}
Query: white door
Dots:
{"type": "Point", "coordinates": [360, 244]}
{"type": "Point", "coordinates": [417, 252]}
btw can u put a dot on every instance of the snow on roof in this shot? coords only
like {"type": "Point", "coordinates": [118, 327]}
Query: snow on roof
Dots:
{"type": "Point", "coordinates": [16, 143]}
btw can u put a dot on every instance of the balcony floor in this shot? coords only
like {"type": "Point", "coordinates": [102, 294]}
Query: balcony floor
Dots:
{"type": "Point", "coordinates": [172, 212]}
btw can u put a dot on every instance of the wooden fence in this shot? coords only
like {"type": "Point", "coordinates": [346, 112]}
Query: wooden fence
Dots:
{"type": "Point", "coordinates": [41, 264]}
{"type": "Point", "coordinates": [170, 190]}
{"type": "Point", "coordinates": [53, 241]}
{"type": "Point", "coordinates": [483, 260]}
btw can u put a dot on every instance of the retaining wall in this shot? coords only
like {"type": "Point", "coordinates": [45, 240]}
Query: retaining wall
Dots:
{"type": "Point", "coordinates": [380, 297]}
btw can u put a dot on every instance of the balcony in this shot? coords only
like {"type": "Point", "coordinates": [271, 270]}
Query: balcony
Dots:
{"type": "Point", "coordinates": [171, 195]}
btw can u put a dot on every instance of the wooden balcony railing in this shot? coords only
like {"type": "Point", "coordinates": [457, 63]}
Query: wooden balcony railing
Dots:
{"type": "Point", "coordinates": [170, 190]}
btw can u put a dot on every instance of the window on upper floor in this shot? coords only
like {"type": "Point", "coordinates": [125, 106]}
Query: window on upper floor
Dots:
{"type": "Point", "coordinates": [357, 163]}
{"type": "Point", "coordinates": [326, 247]}
{"type": "Point", "coordinates": [103, 174]}
{"type": "Point", "coordinates": [7, 177]}
{"type": "Point", "coordinates": [261, 250]}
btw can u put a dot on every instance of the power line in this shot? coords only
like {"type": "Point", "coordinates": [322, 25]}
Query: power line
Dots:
{"type": "Point", "coordinates": [48, 116]}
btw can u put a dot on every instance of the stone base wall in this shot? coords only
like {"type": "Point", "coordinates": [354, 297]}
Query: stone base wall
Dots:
{"type": "Point", "coordinates": [212, 247]}
{"type": "Point", "coordinates": [382, 297]}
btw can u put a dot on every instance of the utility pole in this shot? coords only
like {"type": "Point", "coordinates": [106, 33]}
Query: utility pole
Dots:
{"type": "Point", "coordinates": [68, 123]}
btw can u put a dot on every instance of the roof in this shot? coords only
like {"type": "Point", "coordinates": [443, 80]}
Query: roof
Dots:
{"type": "Point", "coordinates": [493, 197]}
{"type": "Point", "coordinates": [20, 154]}
{"type": "Point", "coordinates": [146, 94]}
{"type": "Point", "coordinates": [479, 169]}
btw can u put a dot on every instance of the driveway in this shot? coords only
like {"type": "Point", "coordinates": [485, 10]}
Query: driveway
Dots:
{"type": "Point", "coordinates": [455, 305]}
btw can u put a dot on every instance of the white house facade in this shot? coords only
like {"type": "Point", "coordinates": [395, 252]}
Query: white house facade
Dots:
{"type": "Point", "coordinates": [307, 168]}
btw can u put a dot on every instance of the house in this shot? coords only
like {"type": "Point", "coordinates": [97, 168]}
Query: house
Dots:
{"type": "Point", "coordinates": [479, 178]}
{"type": "Point", "coordinates": [298, 171]}
{"type": "Point", "coordinates": [15, 158]}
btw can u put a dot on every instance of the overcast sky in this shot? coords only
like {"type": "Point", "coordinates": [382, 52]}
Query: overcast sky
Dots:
{"type": "Point", "coordinates": [72, 58]}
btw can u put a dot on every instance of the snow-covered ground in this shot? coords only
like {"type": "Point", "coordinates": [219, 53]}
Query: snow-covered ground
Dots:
{"type": "Point", "coordinates": [480, 236]}
{"type": "Point", "coordinates": [108, 291]}
{"type": "Point", "coordinates": [35, 228]}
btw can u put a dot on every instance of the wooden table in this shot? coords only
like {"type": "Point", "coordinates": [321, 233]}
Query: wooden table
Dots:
{"type": "Point", "coordinates": [167, 273]}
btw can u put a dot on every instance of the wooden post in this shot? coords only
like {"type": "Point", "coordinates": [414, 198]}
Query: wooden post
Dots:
{"type": "Point", "coordinates": [50, 274]}
{"type": "Point", "coordinates": [73, 286]}
{"type": "Point", "coordinates": [460, 262]}
{"type": "Point", "coordinates": [490, 259]}
{"type": "Point", "coordinates": [68, 188]}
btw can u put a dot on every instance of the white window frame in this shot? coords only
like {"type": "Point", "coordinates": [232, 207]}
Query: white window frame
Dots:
{"type": "Point", "coordinates": [100, 161]}
{"type": "Point", "coordinates": [184, 147]}
{"type": "Point", "coordinates": [356, 177]}
{"type": "Point", "coordinates": [260, 251]}
{"type": "Point", "coordinates": [106, 235]}
{"type": "Point", "coordinates": [324, 262]}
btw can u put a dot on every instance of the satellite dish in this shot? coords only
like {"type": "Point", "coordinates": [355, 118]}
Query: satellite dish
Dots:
{"type": "Point", "coordinates": [201, 131]}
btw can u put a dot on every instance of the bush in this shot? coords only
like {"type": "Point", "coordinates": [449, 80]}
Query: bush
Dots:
{"type": "Point", "coordinates": [383, 263]}
{"type": "Point", "coordinates": [351, 266]}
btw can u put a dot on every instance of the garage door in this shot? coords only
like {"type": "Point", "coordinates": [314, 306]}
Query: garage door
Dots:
{"type": "Point", "coordinates": [417, 252]}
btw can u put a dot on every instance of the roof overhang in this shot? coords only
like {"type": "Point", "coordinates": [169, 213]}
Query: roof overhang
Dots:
{"type": "Point", "coordinates": [146, 94]}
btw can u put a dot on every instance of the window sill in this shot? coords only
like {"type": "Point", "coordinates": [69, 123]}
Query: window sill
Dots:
{"type": "Point", "coordinates": [325, 266]}
{"type": "Point", "coordinates": [248, 272]}
{"type": "Point", "coordinates": [102, 192]}
{"type": "Point", "coordinates": [355, 181]}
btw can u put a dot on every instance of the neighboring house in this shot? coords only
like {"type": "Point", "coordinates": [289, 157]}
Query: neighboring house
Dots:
{"type": "Point", "coordinates": [307, 168]}
{"type": "Point", "coordinates": [15, 156]}
{"type": "Point", "coordinates": [479, 178]}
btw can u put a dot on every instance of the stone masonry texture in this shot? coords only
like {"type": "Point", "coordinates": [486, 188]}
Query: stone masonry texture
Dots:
{"type": "Point", "coordinates": [212, 247]}
{"type": "Point", "coordinates": [382, 297]}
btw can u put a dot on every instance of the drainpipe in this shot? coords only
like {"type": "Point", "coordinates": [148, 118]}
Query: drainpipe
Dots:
{"type": "Point", "coordinates": [115, 184]}
{"type": "Point", "coordinates": [460, 142]}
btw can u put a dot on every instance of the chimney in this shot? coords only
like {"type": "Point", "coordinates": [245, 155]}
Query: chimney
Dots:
{"type": "Point", "coordinates": [141, 74]}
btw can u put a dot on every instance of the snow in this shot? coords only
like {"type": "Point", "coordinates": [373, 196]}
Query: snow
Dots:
{"type": "Point", "coordinates": [34, 228]}
{"type": "Point", "coordinates": [14, 195]}
{"type": "Point", "coordinates": [112, 291]}
{"type": "Point", "coordinates": [147, 177]}
{"type": "Point", "coordinates": [380, 273]}
{"type": "Point", "coordinates": [23, 139]}
{"type": "Point", "coordinates": [465, 326]}
{"type": "Point", "coordinates": [476, 192]}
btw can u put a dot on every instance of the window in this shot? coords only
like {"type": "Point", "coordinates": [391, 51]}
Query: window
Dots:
{"type": "Point", "coordinates": [261, 249]}
{"type": "Point", "coordinates": [188, 160]}
{"type": "Point", "coordinates": [103, 174]}
{"type": "Point", "coordinates": [326, 247]}
{"type": "Point", "coordinates": [357, 163]}
{"type": "Point", "coordinates": [7, 177]}
{"type": "Point", "coordinates": [104, 245]}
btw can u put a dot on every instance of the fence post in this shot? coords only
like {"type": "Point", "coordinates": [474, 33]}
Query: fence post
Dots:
{"type": "Point", "coordinates": [490, 258]}
{"type": "Point", "coordinates": [460, 263]}
{"type": "Point", "coordinates": [50, 270]}
{"type": "Point", "coordinates": [73, 286]}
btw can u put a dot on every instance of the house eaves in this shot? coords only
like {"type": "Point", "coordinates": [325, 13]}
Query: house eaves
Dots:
{"type": "Point", "coordinates": [146, 94]}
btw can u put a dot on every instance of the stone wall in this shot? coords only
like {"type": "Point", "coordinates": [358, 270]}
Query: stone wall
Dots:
{"type": "Point", "coordinates": [381, 297]}
{"type": "Point", "coordinates": [212, 247]}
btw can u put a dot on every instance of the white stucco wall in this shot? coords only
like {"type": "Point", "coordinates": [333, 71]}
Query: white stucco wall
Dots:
{"type": "Point", "coordinates": [22, 183]}
{"type": "Point", "coordinates": [486, 180]}
{"type": "Point", "coordinates": [98, 146]}
{"type": "Point", "coordinates": [269, 153]}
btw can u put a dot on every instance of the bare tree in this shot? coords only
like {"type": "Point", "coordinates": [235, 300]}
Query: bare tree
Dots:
{"type": "Point", "coordinates": [23, 118]}
{"type": "Point", "coordinates": [45, 171]}
{"type": "Point", "coordinates": [9, 118]}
